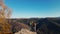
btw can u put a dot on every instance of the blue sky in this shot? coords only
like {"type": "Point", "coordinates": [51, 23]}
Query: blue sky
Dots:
{"type": "Point", "coordinates": [34, 8]}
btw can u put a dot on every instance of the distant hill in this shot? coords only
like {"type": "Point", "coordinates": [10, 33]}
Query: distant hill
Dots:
{"type": "Point", "coordinates": [48, 26]}
{"type": "Point", "coordinates": [44, 25]}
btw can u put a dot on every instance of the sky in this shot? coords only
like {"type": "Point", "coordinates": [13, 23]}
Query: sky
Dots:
{"type": "Point", "coordinates": [34, 8]}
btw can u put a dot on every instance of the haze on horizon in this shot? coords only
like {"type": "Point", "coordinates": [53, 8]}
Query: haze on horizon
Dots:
{"type": "Point", "coordinates": [34, 8]}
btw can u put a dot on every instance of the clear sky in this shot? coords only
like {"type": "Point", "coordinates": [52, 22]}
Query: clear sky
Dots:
{"type": "Point", "coordinates": [34, 8]}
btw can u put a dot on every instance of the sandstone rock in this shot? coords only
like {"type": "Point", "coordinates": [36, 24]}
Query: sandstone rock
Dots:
{"type": "Point", "coordinates": [25, 31]}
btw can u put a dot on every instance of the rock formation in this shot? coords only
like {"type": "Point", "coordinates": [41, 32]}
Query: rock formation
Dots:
{"type": "Point", "coordinates": [25, 31]}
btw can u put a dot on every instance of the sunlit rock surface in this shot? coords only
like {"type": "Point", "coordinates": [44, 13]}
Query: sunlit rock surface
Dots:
{"type": "Point", "coordinates": [25, 31]}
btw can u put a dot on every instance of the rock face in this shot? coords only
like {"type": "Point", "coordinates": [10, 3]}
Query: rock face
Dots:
{"type": "Point", "coordinates": [25, 31]}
